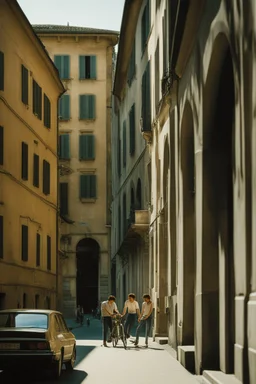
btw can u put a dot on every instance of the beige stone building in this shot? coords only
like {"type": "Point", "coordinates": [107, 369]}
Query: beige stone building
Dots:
{"type": "Point", "coordinates": [29, 91]}
{"type": "Point", "coordinates": [202, 257]}
{"type": "Point", "coordinates": [84, 58]}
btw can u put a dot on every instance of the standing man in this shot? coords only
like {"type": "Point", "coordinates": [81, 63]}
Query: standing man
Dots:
{"type": "Point", "coordinates": [145, 319]}
{"type": "Point", "coordinates": [108, 310]}
{"type": "Point", "coordinates": [132, 307]}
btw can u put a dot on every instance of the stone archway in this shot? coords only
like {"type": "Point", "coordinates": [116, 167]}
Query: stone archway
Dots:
{"type": "Point", "coordinates": [87, 278]}
{"type": "Point", "coordinates": [217, 303]}
{"type": "Point", "coordinates": [186, 336]}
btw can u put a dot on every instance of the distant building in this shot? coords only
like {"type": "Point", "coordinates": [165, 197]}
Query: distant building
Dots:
{"type": "Point", "coordinates": [84, 58]}
{"type": "Point", "coordinates": [29, 92]}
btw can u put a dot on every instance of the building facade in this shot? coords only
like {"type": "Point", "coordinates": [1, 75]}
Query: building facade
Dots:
{"type": "Point", "coordinates": [202, 258]}
{"type": "Point", "coordinates": [29, 91]}
{"type": "Point", "coordinates": [84, 58]}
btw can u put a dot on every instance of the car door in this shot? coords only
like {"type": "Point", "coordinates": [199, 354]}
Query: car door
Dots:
{"type": "Point", "coordinates": [65, 337]}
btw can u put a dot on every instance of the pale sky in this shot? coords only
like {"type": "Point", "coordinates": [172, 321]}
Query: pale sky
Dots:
{"type": "Point", "coordinates": [105, 14]}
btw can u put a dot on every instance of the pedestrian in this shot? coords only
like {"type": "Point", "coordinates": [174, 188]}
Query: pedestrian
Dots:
{"type": "Point", "coordinates": [132, 307]}
{"type": "Point", "coordinates": [88, 322]}
{"type": "Point", "coordinates": [108, 310]}
{"type": "Point", "coordinates": [145, 319]}
{"type": "Point", "coordinates": [78, 314]}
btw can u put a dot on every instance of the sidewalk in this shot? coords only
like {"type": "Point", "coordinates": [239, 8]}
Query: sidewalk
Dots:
{"type": "Point", "coordinates": [150, 366]}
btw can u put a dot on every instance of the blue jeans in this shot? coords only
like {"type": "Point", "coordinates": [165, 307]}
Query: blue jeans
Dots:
{"type": "Point", "coordinates": [107, 324]}
{"type": "Point", "coordinates": [147, 324]}
{"type": "Point", "coordinates": [130, 320]}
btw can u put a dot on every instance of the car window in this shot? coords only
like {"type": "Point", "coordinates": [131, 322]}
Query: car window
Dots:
{"type": "Point", "coordinates": [57, 324]}
{"type": "Point", "coordinates": [24, 320]}
{"type": "Point", "coordinates": [63, 326]}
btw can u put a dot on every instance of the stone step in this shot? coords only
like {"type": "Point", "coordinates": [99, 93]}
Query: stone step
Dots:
{"type": "Point", "coordinates": [161, 340]}
{"type": "Point", "coordinates": [218, 377]}
{"type": "Point", "coordinates": [186, 356]}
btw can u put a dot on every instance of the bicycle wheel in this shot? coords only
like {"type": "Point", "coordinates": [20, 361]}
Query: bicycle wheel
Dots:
{"type": "Point", "coordinates": [114, 337]}
{"type": "Point", "coordinates": [123, 337]}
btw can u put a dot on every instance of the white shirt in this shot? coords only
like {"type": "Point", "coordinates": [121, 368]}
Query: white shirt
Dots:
{"type": "Point", "coordinates": [131, 306]}
{"type": "Point", "coordinates": [108, 309]}
{"type": "Point", "coordinates": [146, 308]}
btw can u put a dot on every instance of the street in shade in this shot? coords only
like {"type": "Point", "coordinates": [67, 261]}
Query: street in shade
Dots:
{"type": "Point", "coordinates": [111, 365]}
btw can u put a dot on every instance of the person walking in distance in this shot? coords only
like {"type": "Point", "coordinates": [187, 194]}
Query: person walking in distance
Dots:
{"type": "Point", "coordinates": [108, 310]}
{"type": "Point", "coordinates": [145, 319]}
{"type": "Point", "coordinates": [132, 307]}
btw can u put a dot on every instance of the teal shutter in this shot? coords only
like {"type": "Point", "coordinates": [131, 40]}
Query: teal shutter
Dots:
{"type": "Point", "coordinates": [87, 186]}
{"type": "Point", "coordinates": [132, 129]}
{"type": "Point", "coordinates": [86, 147]}
{"type": "Point", "coordinates": [82, 67]}
{"type": "Point", "coordinates": [64, 147]}
{"type": "Point", "coordinates": [64, 199]}
{"type": "Point", "coordinates": [62, 63]}
{"type": "Point", "coordinates": [57, 62]}
{"type": "Point", "coordinates": [66, 65]}
{"type": "Point", "coordinates": [1, 71]}
{"type": "Point", "coordinates": [64, 107]}
{"type": "Point", "coordinates": [24, 85]}
{"type": "Point", "coordinates": [87, 107]}
{"type": "Point", "coordinates": [93, 67]}
{"type": "Point", "coordinates": [124, 143]}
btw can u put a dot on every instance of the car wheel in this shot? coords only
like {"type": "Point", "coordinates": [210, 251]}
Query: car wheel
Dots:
{"type": "Point", "coordinates": [71, 363]}
{"type": "Point", "coordinates": [57, 368]}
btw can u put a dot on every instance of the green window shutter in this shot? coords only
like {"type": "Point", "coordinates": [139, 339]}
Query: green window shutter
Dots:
{"type": "Point", "coordinates": [1, 71]}
{"type": "Point", "coordinates": [24, 242]}
{"type": "Point", "coordinates": [38, 249]}
{"type": "Point", "coordinates": [49, 253]}
{"type": "Point", "coordinates": [63, 198]}
{"type": "Point", "coordinates": [1, 145]}
{"type": "Point", "coordinates": [86, 147]}
{"type": "Point", "coordinates": [46, 177]}
{"type": "Point", "coordinates": [87, 186]}
{"type": "Point", "coordinates": [24, 85]}
{"type": "Point", "coordinates": [87, 107]}
{"type": "Point", "coordinates": [47, 112]}
{"type": "Point", "coordinates": [1, 237]}
{"type": "Point", "coordinates": [36, 171]}
{"type": "Point", "coordinates": [62, 63]}
{"type": "Point", "coordinates": [148, 98]}
{"type": "Point", "coordinates": [124, 144]}
{"type": "Point", "coordinates": [132, 129]}
{"type": "Point", "coordinates": [57, 62]}
{"type": "Point", "coordinates": [24, 161]}
{"type": "Point", "coordinates": [64, 107]}
{"type": "Point", "coordinates": [65, 147]}
{"type": "Point", "coordinates": [93, 67]}
{"type": "Point", "coordinates": [81, 67]}
{"type": "Point", "coordinates": [37, 100]}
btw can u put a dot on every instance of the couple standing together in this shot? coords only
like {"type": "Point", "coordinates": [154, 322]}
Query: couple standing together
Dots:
{"type": "Point", "coordinates": [131, 307]}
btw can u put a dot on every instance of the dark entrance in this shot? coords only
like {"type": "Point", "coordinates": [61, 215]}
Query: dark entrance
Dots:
{"type": "Point", "coordinates": [87, 279]}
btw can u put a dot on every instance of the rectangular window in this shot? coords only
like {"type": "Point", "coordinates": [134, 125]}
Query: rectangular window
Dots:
{"type": "Point", "coordinates": [62, 62]}
{"type": "Point", "coordinates": [87, 107]}
{"type": "Point", "coordinates": [36, 171]}
{"type": "Point", "coordinates": [64, 107]}
{"type": "Point", "coordinates": [49, 253]}
{"type": "Point", "coordinates": [38, 250]}
{"type": "Point", "coordinates": [46, 177]}
{"type": "Point", "coordinates": [132, 129]}
{"type": "Point", "coordinates": [124, 144]}
{"type": "Point", "coordinates": [87, 67]}
{"type": "Point", "coordinates": [24, 161]}
{"type": "Point", "coordinates": [64, 199]}
{"type": "Point", "coordinates": [24, 85]}
{"type": "Point", "coordinates": [119, 146]}
{"type": "Point", "coordinates": [1, 145]}
{"type": "Point", "coordinates": [37, 100]}
{"type": "Point", "coordinates": [86, 147]}
{"type": "Point", "coordinates": [24, 242]}
{"type": "Point", "coordinates": [145, 26]}
{"type": "Point", "coordinates": [132, 65]}
{"type": "Point", "coordinates": [1, 237]}
{"type": "Point", "coordinates": [1, 71]}
{"type": "Point", "coordinates": [88, 187]}
{"type": "Point", "coordinates": [64, 147]}
{"type": "Point", "coordinates": [146, 100]}
{"type": "Point", "coordinates": [47, 112]}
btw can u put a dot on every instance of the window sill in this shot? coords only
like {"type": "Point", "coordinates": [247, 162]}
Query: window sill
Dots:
{"type": "Point", "coordinates": [85, 78]}
{"type": "Point", "coordinates": [85, 200]}
{"type": "Point", "coordinates": [92, 159]}
{"type": "Point", "coordinates": [89, 120]}
{"type": "Point", "coordinates": [67, 119]}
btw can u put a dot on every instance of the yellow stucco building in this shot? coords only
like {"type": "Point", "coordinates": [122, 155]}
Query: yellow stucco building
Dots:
{"type": "Point", "coordinates": [29, 92]}
{"type": "Point", "coordinates": [84, 58]}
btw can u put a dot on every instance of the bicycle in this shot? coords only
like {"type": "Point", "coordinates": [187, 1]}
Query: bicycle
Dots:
{"type": "Point", "coordinates": [118, 331]}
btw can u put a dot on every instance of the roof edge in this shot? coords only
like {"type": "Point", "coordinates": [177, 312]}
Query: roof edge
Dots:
{"type": "Point", "coordinates": [127, 34]}
{"type": "Point", "coordinates": [67, 30]}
